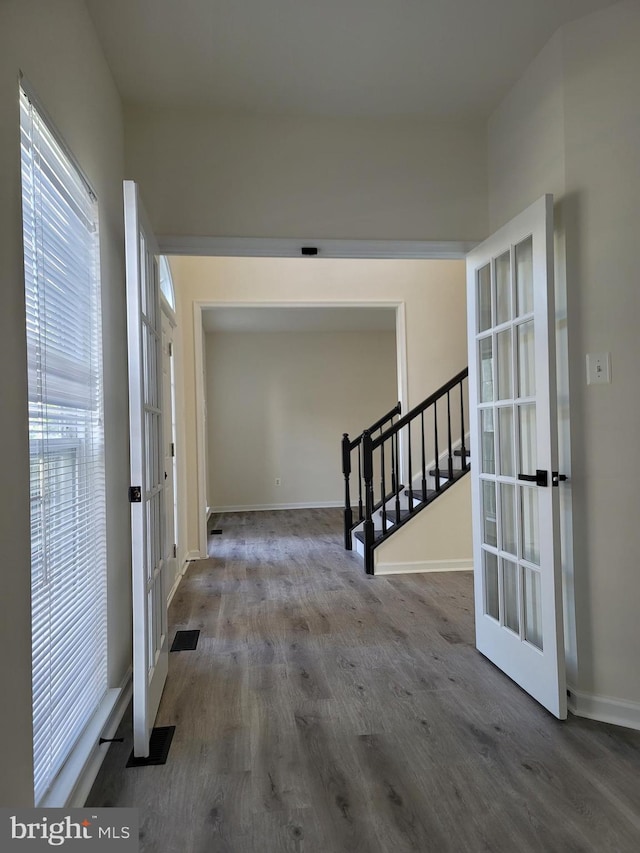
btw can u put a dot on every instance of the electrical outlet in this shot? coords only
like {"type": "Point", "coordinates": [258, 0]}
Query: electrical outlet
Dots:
{"type": "Point", "coordinates": [278, 481]}
{"type": "Point", "coordinates": [598, 368]}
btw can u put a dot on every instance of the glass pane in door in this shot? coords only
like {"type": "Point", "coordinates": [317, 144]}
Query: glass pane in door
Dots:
{"type": "Point", "coordinates": [492, 607]}
{"type": "Point", "coordinates": [526, 360]}
{"type": "Point", "coordinates": [524, 277]}
{"type": "Point", "coordinates": [484, 298]}
{"type": "Point", "coordinates": [527, 438]}
{"type": "Point", "coordinates": [486, 370]}
{"type": "Point", "coordinates": [505, 373]}
{"type": "Point", "coordinates": [489, 513]}
{"type": "Point", "coordinates": [510, 595]}
{"type": "Point", "coordinates": [532, 608]}
{"type": "Point", "coordinates": [488, 442]}
{"type": "Point", "coordinates": [503, 288]}
{"type": "Point", "coordinates": [530, 525]}
{"type": "Point", "coordinates": [508, 518]}
{"type": "Point", "coordinates": [505, 433]}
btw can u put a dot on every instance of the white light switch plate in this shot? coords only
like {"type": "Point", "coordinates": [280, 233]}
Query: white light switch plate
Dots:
{"type": "Point", "coordinates": [598, 368]}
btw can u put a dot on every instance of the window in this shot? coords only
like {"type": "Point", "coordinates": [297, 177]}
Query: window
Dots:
{"type": "Point", "coordinates": [64, 347]}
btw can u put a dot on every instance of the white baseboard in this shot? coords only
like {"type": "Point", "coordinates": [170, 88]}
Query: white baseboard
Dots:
{"type": "Point", "coordinates": [176, 583]}
{"type": "Point", "coordinates": [605, 709]}
{"type": "Point", "coordinates": [263, 507]}
{"type": "Point", "coordinates": [461, 565]}
{"type": "Point", "coordinates": [193, 555]}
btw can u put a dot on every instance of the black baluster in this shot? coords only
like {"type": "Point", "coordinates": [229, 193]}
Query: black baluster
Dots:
{"type": "Point", "coordinates": [450, 459]}
{"type": "Point", "coordinates": [396, 464]}
{"type": "Point", "coordinates": [437, 452]}
{"type": "Point", "coordinates": [360, 507]}
{"type": "Point", "coordinates": [384, 489]}
{"type": "Point", "coordinates": [424, 460]}
{"type": "Point", "coordinates": [368, 527]}
{"type": "Point", "coordinates": [410, 470]}
{"type": "Point", "coordinates": [394, 479]}
{"type": "Point", "coordinates": [463, 449]}
{"type": "Point", "coordinates": [346, 470]}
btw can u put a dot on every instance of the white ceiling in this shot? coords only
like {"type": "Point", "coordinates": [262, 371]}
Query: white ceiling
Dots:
{"type": "Point", "coordinates": [377, 58]}
{"type": "Point", "coordinates": [298, 319]}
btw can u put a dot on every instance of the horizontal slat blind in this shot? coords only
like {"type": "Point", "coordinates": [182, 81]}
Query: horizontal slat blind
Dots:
{"type": "Point", "coordinates": [68, 549]}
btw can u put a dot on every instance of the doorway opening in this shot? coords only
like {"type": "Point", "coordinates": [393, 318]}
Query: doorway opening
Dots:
{"type": "Point", "coordinates": [280, 385]}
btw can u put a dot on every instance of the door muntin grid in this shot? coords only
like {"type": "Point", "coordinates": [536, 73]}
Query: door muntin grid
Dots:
{"type": "Point", "coordinates": [507, 429]}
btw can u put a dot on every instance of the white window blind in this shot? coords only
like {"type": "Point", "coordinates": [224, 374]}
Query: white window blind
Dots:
{"type": "Point", "coordinates": [68, 549]}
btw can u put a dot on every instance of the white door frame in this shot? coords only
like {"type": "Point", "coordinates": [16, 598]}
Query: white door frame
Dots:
{"type": "Point", "coordinates": [198, 343]}
{"type": "Point", "coordinates": [290, 247]}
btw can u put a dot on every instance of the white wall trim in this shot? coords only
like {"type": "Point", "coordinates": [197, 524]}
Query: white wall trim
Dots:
{"type": "Point", "coordinates": [262, 507]}
{"type": "Point", "coordinates": [605, 709]}
{"type": "Point", "coordinates": [201, 427]}
{"type": "Point", "coordinates": [179, 576]}
{"type": "Point", "coordinates": [270, 247]}
{"type": "Point", "coordinates": [461, 565]}
{"type": "Point", "coordinates": [72, 786]}
{"type": "Point", "coordinates": [194, 555]}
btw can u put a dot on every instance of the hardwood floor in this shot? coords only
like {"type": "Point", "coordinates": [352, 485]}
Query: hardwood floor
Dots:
{"type": "Point", "coordinates": [329, 712]}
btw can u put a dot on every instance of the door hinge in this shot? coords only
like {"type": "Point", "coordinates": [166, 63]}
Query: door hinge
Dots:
{"type": "Point", "coordinates": [173, 449]}
{"type": "Point", "coordinates": [556, 478]}
{"type": "Point", "coordinates": [170, 349]}
{"type": "Point", "coordinates": [175, 551]}
{"type": "Point", "coordinates": [135, 494]}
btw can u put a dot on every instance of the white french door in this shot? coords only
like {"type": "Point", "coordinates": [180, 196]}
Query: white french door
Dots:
{"type": "Point", "coordinates": [512, 391]}
{"type": "Point", "coordinates": [144, 333]}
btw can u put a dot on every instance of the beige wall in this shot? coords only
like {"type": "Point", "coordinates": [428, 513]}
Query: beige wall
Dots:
{"type": "Point", "coordinates": [526, 138]}
{"type": "Point", "coordinates": [55, 47]}
{"type": "Point", "coordinates": [437, 539]}
{"type": "Point", "coordinates": [308, 177]}
{"type": "Point", "coordinates": [278, 404]}
{"type": "Point", "coordinates": [432, 293]}
{"type": "Point", "coordinates": [589, 155]}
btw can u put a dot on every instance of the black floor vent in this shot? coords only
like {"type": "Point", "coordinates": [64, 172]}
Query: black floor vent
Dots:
{"type": "Point", "coordinates": [215, 532]}
{"type": "Point", "coordinates": [159, 744]}
{"type": "Point", "coordinates": [185, 641]}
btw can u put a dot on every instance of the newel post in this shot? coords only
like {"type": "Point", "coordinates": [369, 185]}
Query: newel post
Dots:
{"type": "Point", "coordinates": [346, 470]}
{"type": "Point", "coordinates": [368, 527]}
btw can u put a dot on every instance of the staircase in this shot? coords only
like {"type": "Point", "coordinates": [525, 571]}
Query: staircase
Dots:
{"type": "Point", "coordinates": [401, 464]}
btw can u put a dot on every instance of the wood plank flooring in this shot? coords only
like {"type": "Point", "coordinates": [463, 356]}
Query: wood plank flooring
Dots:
{"type": "Point", "coordinates": [329, 712]}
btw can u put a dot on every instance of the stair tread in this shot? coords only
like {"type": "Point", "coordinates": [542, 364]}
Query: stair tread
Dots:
{"type": "Point", "coordinates": [444, 473]}
{"type": "Point", "coordinates": [392, 515]}
{"type": "Point", "coordinates": [417, 493]}
{"type": "Point", "coordinates": [359, 534]}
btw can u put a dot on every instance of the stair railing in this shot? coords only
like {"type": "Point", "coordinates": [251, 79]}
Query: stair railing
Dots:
{"type": "Point", "coordinates": [433, 432]}
{"type": "Point", "coordinates": [351, 449]}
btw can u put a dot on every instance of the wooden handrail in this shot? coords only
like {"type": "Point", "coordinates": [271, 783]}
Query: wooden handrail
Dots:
{"type": "Point", "coordinates": [383, 420]}
{"type": "Point", "coordinates": [420, 408]}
